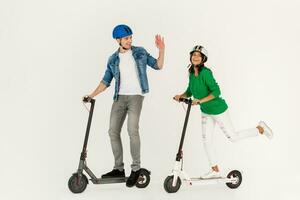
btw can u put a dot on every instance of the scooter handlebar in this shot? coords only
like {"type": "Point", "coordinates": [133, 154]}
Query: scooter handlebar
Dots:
{"type": "Point", "coordinates": [185, 100]}
{"type": "Point", "coordinates": [87, 99]}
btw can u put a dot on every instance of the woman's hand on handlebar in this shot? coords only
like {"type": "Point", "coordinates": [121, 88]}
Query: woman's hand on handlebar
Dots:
{"type": "Point", "coordinates": [177, 97]}
{"type": "Point", "coordinates": [195, 102]}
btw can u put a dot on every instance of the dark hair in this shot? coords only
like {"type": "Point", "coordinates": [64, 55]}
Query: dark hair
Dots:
{"type": "Point", "coordinates": [192, 70]}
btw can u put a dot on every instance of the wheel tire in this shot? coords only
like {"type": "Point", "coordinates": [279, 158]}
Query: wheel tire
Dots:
{"type": "Point", "coordinates": [235, 174]}
{"type": "Point", "coordinates": [144, 179]}
{"type": "Point", "coordinates": [77, 186]}
{"type": "Point", "coordinates": [168, 184]}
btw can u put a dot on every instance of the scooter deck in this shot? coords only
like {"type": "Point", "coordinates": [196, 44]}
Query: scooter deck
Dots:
{"type": "Point", "coordinates": [211, 180]}
{"type": "Point", "coordinates": [109, 180]}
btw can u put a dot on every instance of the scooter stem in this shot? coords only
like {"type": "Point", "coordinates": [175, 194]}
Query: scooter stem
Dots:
{"type": "Point", "coordinates": [179, 154]}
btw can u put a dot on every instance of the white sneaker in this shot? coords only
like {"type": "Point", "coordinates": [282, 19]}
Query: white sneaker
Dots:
{"type": "Point", "coordinates": [211, 174]}
{"type": "Point", "coordinates": [267, 131]}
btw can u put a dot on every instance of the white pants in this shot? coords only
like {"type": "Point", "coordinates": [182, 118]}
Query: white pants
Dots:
{"type": "Point", "coordinates": [224, 122]}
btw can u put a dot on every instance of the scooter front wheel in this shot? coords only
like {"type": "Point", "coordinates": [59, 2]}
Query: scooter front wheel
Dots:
{"type": "Point", "coordinates": [144, 179]}
{"type": "Point", "coordinates": [168, 184]}
{"type": "Point", "coordinates": [77, 183]}
{"type": "Point", "coordinates": [238, 176]}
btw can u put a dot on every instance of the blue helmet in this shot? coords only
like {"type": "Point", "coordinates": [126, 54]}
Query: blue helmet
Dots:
{"type": "Point", "coordinates": [121, 31]}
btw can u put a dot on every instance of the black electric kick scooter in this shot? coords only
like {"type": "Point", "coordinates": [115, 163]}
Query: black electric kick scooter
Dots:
{"type": "Point", "coordinates": [78, 181]}
{"type": "Point", "coordinates": [172, 183]}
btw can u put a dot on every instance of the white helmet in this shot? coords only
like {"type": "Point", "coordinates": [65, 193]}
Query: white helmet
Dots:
{"type": "Point", "coordinates": [200, 49]}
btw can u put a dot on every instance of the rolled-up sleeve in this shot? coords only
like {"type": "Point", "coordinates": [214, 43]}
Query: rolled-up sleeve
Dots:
{"type": "Point", "coordinates": [151, 61]}
{"type": "Point", "coordinates": [108, 76]}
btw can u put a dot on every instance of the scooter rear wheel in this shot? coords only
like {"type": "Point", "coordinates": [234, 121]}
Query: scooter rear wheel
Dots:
{"type": "Point", "coordinates": [235, 174]}
{"type": "Point", "coordinates": [77, 184]}
{"type": "Point", "coordinates": [144, 179]}
{"type": "Point", "coordinates": [168, 184]}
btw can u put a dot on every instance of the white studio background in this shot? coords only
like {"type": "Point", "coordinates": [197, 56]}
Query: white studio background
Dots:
{"type": "Point", "coordinates": [54, 52]}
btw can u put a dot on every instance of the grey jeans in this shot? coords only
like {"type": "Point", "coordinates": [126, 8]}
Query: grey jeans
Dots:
{"type": "Point", "coordinates": [130, 105]}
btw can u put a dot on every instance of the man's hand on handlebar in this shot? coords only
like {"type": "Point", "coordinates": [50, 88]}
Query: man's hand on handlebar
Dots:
{"type": "Point", "coordinates": [86, 99]}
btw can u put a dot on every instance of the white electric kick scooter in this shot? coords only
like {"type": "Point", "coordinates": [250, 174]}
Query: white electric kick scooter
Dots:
{"type": "Point", "coordinates": [172, 183]}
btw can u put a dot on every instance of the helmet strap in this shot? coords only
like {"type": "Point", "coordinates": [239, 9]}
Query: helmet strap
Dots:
{"type": "Point", "coordinates": [123, 47]}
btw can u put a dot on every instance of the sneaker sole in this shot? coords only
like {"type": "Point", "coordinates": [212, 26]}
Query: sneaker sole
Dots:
{"type": "Point", "coordinates": [270, 132]}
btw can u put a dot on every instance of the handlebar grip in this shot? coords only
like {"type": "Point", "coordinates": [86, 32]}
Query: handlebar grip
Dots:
{"type": "Point", "coordinates": [86, 99]}
{"type": "Point", "coordinates": [185, 100]}
{"type": "Point", "coordinates": [181, 99]}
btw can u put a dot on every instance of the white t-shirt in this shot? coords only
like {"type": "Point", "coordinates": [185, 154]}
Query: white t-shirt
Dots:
{"type": "Point", "coordinates": [129, 79]}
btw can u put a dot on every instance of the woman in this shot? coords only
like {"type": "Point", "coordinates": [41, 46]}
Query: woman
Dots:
{"type": "Point", "coordinates": [206, 92]}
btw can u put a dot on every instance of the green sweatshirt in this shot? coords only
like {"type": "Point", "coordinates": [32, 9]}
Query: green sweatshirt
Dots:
{"type": "Point", "coordinates": [203, 85]}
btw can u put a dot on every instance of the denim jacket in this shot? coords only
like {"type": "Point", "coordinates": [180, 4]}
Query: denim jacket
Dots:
{"type": "Point", "coordinates": [142, 59]}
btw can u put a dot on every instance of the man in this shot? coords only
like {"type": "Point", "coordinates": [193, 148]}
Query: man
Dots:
{"type": "Point", "coordinates": [128, 66]}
